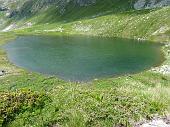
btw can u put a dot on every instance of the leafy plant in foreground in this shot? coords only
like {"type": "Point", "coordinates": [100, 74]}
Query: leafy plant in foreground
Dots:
{"type": "Point", "coordinates": [13, 103]}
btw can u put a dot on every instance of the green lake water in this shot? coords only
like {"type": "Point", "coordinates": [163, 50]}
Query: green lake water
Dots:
{"type": "Point", "coordinates": [82, 58]}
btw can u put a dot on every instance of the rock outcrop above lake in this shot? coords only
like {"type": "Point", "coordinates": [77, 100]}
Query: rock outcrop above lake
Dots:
{"type": "Point", "coordinates": [148, 4]}
{"type": "Point", "coordinates": [25, 8]}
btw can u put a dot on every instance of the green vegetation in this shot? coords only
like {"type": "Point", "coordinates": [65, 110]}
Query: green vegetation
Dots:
{"type": "Point", "coordinates": [107, 102]}
{"type": "Point", "coordinates": [13, 103]}
{"type": "Point", "coordinates": [114, 101]}
{"type": "Point", "coordinates": [74, 106]}
{"type": "Point", "coordinates": [131, 24]}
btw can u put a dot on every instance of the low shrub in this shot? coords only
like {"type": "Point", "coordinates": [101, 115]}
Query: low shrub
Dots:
{"type": "Point", "coordinates": [13, 103]}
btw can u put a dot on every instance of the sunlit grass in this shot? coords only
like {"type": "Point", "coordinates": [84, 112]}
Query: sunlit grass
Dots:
{"type": "Point", "coordinates": [108, 102]}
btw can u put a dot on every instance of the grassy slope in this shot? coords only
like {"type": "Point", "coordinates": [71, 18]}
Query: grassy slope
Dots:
{"type": "Point", "coordinates": [130, 24]}
{"type": "Point", "coordinates": [107, 102]}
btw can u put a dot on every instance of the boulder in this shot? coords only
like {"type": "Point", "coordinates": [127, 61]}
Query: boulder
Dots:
{"type": "Point", "coordinates": [2, 72]}
{"type": "Point", "coordinates": [149, 4]}
{"type": "Point", "coordinates": [3, 9]}
{"type": "Point", "coordinates": [156, 123]}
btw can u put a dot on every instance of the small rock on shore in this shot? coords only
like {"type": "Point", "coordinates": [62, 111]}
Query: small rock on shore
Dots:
{"type": "Point", "coordinates": [2, 72]}
{"type": "Point", "coordinates": [165, 69]}
{"type": "Point", "coordinates": [156, 123]}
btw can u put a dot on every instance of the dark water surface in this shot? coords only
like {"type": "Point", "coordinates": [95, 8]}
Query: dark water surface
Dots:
{"type": "Point", "coordinates": [83, 58]}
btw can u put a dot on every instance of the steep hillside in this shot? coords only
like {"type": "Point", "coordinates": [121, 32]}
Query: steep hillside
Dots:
{"type": "Point", "coordinates": [25, 8]}
{"type": "Point", "coordinates": [118, 18]}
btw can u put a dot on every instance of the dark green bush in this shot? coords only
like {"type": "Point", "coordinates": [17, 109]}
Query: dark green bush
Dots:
{"type": "Point", "coordinates": [13, 103]}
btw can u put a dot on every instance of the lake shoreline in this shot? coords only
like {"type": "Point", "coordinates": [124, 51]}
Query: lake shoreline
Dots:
{"type": "Point", "coordinates": [22, 74]}
{"type": "Point", "coordinates": [162, 68]}
{"type": "Point", "coordinates": [94, 51]}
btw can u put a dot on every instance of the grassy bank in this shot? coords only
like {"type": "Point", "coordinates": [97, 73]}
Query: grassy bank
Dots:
{"type": "Point", "coordinates": [108, 102]}
{"type": "Point", "coordinates": [120, 101]}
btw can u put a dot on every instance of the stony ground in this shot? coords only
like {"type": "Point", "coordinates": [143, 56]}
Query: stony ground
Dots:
{"type": "Point", "coordinates": [156, 122]}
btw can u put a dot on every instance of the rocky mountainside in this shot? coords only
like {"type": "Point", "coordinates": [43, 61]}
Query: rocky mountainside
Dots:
{"type": "Point", "coordinates": [94, 17]}
{"type": "Point", "coordinates": [25, 8]}
{"type": "Point", "coordinates": [148, 4]}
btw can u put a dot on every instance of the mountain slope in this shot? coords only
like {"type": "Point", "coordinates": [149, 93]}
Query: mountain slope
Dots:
{"type": "Point", "coordinates": [27, 8]}
{"type": "Point", "coordinates": [118, 18]}
{"type": "Point", "coordinates": [131, 24]}
{"type": "Point", "coordinates": [112, 102]}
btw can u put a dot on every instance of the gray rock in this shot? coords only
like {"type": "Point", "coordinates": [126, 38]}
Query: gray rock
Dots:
{"type": "Point", "coordinates": [164, 69]}
{"type": "Point", "coordinates": [155, 123]}
{"type": "Point", "coordinates": [149, 4]}
{"type": "Point", "coordinates": [167, 120]}
{"type": "Point", "coordinates": [26, 8]}
{"type": "Point", "coordinates": [2, 72]}
{"type": "Point", "coordinates": [3, 9]}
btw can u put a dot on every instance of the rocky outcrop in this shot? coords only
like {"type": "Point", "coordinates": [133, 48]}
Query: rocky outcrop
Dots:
{"type": "Point", "coordinates": [29, 7]}
{"type": "Point", "coordinates": [24, 8]}
{"type": "Point", "coordinates": [84, 2]}
{"type": "Point", "coordinates": [3, 9]}
{"type": "Point", "coordinates": [155, 122]}
{"type": "Point", "coordinates": [149, 4]}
